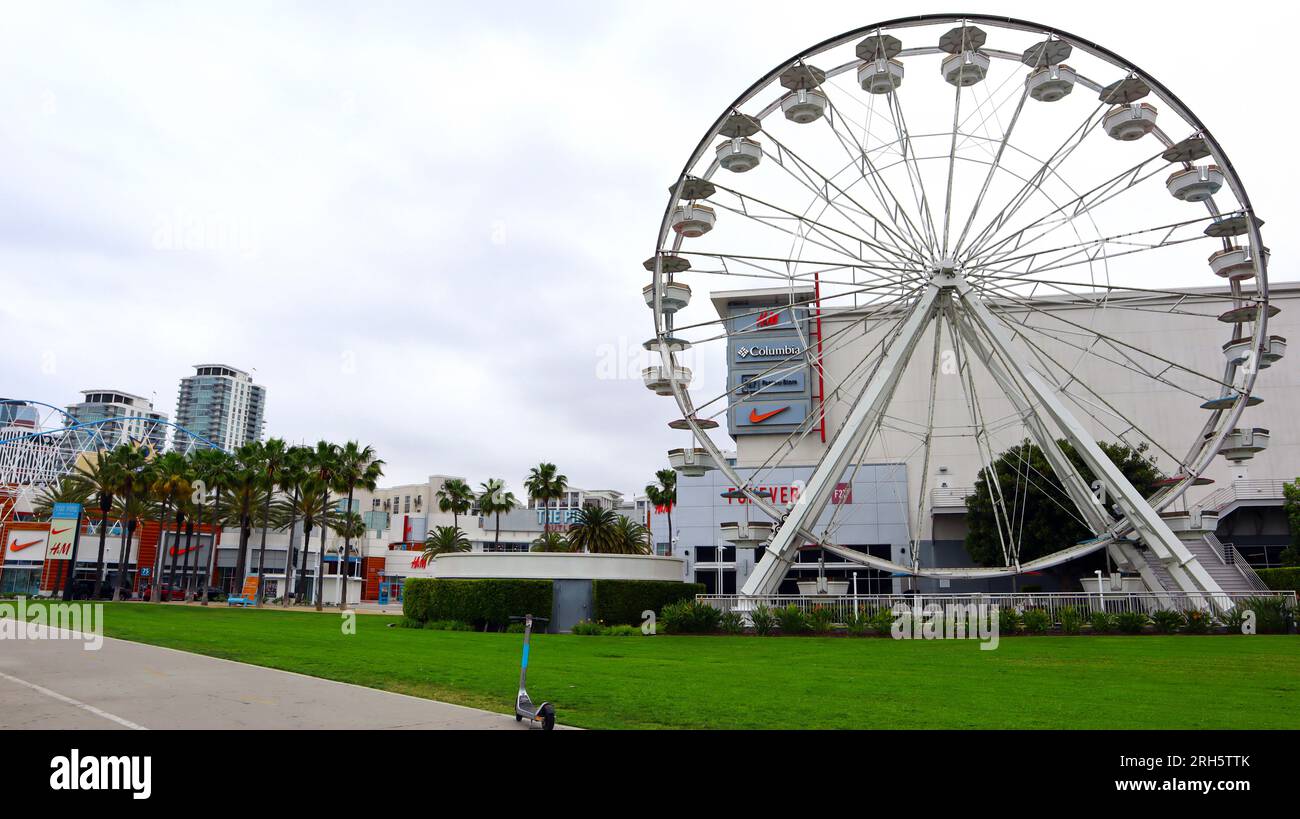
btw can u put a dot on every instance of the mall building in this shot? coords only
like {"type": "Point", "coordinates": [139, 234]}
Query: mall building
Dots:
{"type": "Point", "coordinates": [875, 504]}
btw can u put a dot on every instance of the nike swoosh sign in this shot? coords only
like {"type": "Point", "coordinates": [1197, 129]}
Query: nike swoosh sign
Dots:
{"type": "Point", "coordinates": [172, 551]}
{"type": "Point", "coordinates": [59, 531]}
{"type": "Point", "coordinates": [755, 418]}
{"type": "Point", "coordinates": [15, 546]}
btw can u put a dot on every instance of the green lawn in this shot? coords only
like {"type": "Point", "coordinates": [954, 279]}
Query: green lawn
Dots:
{"type": "Point", "coordinates": [750, 682]}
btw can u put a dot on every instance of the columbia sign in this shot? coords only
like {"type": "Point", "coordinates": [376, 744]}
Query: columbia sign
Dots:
{"type": "Point", "coordinates": [768, 351]}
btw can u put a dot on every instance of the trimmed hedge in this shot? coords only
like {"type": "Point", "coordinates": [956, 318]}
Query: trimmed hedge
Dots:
{"type": "Point", "coordinates": [1284, 579]}
{"type": "Point", "coordinates": [620, 602]}
{"type": "Point", "coordinates": [481, 603]}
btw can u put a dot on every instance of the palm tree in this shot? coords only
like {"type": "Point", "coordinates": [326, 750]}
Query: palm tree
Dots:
{"type": "Point", "coordinates": [593, 531]}
{"type": "Point", "coordinates": [456, 497]}
{"type": "Point", "coordinates": [64, 490]}
{"type": "Point", "coordinates": [631, 537]}
{"type": "Point", "coordinates": [545, 484]}
{"type": "Point", "coordinates": [243, 501]}
{"type": "Point", "coordinates": [215, 468]}
{"type": "Point", "coordinates": [292, 476]}
{"type": "Point", "coordinates": [311, 504]}
{"type": "Point", "coordinates": [493, 500]}
{"type": "Point", "coordinates": [551, 542]}
{"type": "Point", "coordinates": [664, 494]}
{"type": "Point", "coordinates": [102, 477]}
{"type": "Point", "coordinates": [347, 525]}
{"type": "Point", "coordinates": [171, 485]}
{"type": "Point", "coordinates": [445, 540]}
{"type": "Point", "coordinates": [136, 477]}
{"type": "Point", "coordinates": [324, 465]}
{"type": "Point", "coordinates": [274, 454]}
{"type": "Point", "coordinates": [357, 466]}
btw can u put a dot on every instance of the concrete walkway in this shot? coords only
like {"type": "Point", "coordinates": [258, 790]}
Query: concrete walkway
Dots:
{"type": "Point", "coordinates": [48, 684]}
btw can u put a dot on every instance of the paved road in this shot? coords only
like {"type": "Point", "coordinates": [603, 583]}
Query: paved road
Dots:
{"type": "Point", "coordinates": [57, 684]}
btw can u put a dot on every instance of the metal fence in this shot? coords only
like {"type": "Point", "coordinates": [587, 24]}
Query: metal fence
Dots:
{"type": "Point", "coordinates": [1051, 602]}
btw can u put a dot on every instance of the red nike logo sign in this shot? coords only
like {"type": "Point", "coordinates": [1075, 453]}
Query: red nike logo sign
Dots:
{"type": "Point", "coordinates": [173, 551]}
{"type": "Point", "coordinates": [756, 418]}
{"type": "Point", "coordinates": [15, 546]}
{"type": "Point", "coordinates": [59, 531]}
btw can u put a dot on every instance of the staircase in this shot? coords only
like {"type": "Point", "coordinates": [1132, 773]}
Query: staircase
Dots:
{"type": "Point", "coordinates": [1235, 576]}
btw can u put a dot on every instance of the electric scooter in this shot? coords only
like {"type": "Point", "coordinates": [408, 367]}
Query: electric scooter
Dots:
{"type": "Point", "coordinates": [538, 716]}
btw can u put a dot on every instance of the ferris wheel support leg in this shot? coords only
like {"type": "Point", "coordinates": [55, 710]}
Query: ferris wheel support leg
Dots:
{"type": "Point", "coordinates": [1182, 565]}
{"type": "Point", "coordinates": [863, 419]}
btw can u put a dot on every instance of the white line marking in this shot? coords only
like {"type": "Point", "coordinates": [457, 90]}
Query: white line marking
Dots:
{"type": "Point", "coordinates": [99, 712]}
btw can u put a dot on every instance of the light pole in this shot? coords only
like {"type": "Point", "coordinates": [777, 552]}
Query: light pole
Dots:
{"type": "Point", "coordinates": [1101, 595]}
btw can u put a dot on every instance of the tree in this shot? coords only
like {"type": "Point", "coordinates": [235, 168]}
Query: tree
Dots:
{"type": "Point", "coordinates": [664, 494]}
{"type": "Point", "coordinates": [493, 500]}
{"type": "Point", "coordinates": [594, 531]}
{"type": "Point", "coordinates": [102, 477]}
{"type": "Point", "coordinates": [347, 525]}
{"type": "Point", "coordinates": [456, 497]}
{"type": "Point", "coordinates": [1291, 505]}
{"type": "Point", "coordinates": [64, 490]}
{"type": "Point", "coordinates": [170, 488]}
{"type": "Point", "coordinates": [136, 477]}
{"type": "Point", "coordinates": [551, 542]}
{"type": "Point", "coordinates": [1045, 519]}
{"type": "Point", "coordinates": [215, 469]}
{"type": "Point", "coordinates": [323, 463]}
{"type": "Point", "coordinates": [357, 466]}
{"type": "Point", "coordinates": [243, 502]}
{"type": "Point", "coordinates": [311, 504]}
{"type": "Point", "coordinates": [631, 537]}
{"type": "Point", "coordinates": [274, 454]}
{"type": "Point", "coordinates": [445, 540]}
{"type": "Point", "coordinates": [545, 484]}
{"type": "Point", "coordinates": [292, 476]}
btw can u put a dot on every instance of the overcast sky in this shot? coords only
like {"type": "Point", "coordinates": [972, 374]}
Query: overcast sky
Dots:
{"type": "Point", "coordinates": [422, 224]}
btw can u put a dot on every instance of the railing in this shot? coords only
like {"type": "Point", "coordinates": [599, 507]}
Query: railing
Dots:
{"type": "Point", "coordinates": [1051, 602]}
{"type": "Point", "coordinates": [1221, 499]}
{"type": "Point", "coordinates": [1239, 562]}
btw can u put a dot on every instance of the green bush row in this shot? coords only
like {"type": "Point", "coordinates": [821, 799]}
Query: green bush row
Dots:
{"type": "Point", "coordinates": [481, 603]}
{"type": "Point", "coordinates": [1284, 579]}
{"type": "Point", "coordinates": [621, 602]}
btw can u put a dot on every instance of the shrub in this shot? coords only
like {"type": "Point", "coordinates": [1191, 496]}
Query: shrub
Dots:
{"type": "Point", "coordinates": [481, 603]}
{"type": "Point", "coordinates": [1037, 621]}
{"type": "Point", "coordinates": [1101, 622]}
{"type": "Point", "coordinates": [821, 620]}
{"type": "Point", "coordinates": [515, 628]}
{"type": "Point", "coordinates": [1196, 621]}
{"type": "Point", "coordinates": [1233, 618]}
{"type": "Point", "coordinates": [1131, 622]}
{"type": "Point", "coordinates": [1009, 620]}
{"type": "Point", "coordinates": [858, 622]}
{"type": "Point", "coordinates": [792, 620]}
{"type": "Point", "coordinates": [1071, 620]}
{"type": "Point", "coordinates": [690, 617]}
{"type": "Point", "coordinates": [1166, 621]}
{"type": "Point", "coordinates": [586, 628]}
{"type": "Point", "coordinates": [623, 630]}
{"type": "Point", "coordinates": [620, 602]}
{"type": "Point", "coordinates": [1273, 615]}
{"type": "Point", "coordinates": [1284, 579]}
{"type": "Point", "coordinates": [732, 623]}
{"type": "Point", "coordinates": [763, 619]}
{"type": "Point", "coordinates": [882, 621]}
{"type": "Point", "coordinates": [447, 625]}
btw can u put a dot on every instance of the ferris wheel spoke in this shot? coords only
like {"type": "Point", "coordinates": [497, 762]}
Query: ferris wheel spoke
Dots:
{"type": "Point", "coordinates": [1049, 167]}
{"type": "Point", "coordinates": [914, 176]}
{"type": "Point", "coordinates": [901, 244]}
{"type": "Point", "coordinates": [1082, 204]}
{"type": "Point", "coordinates": [952, 167]}
{"type": "Point", "coordinates": [876, 182]}
{"type": "Point", "coordinates": [988, 179]}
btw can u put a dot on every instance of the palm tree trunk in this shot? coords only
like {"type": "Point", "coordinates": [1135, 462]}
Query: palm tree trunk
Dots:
{"type": "Point", "coordinates": [125, 551]}
{"type": "Point", "coordinates": [190, 584]}
{"type": "Point", "coordinates": [241, 563]}
{"type": "Point", "coordinates": [212, 550]}
{"type": "Point", "coordinates": [347, 553]}
{"type": "Point", "coordinates": [288, 556]}
{"type": "Point", "coordinates": [171, 573]}
{"type": "Point", "coordinates": [155, 593]}
{"type": "Point", "coordinates": [496, 539]}
{"type": "Point", "coordinates": [302, 562]}
{"type": "Point", "coordinates": [103, 537]}
{"type": "Point", "coordinates": [186, 578]}
{"type": "Point", "coordinates": [320, 563]}
{"type": "Point", "coordinates": [261, 551]}
{"type": "Point", "coordinates": [670, 528]}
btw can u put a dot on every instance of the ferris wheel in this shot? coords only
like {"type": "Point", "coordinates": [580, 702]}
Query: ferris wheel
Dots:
{"type": "Point", "coordinates": [957, 222]}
